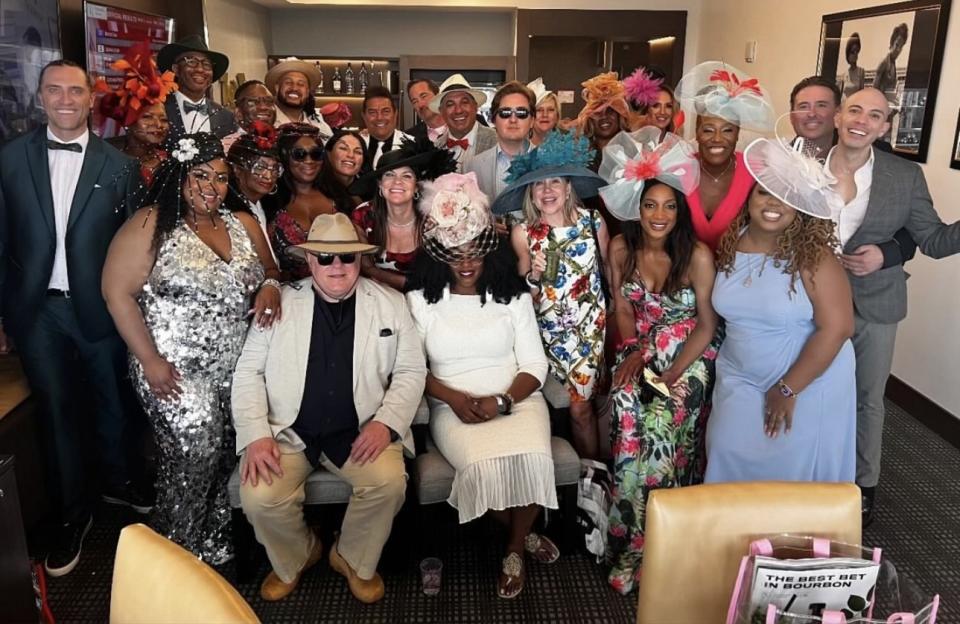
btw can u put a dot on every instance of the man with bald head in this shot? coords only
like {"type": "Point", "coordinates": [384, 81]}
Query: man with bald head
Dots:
{"type": "Point", "coordinates": [876, 194]}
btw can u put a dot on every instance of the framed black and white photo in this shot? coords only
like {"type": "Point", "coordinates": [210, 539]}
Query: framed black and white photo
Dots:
{"type": "Point", "coordinates": [955, 155]}
{"type": "Point", "coordinates": [897, 48]}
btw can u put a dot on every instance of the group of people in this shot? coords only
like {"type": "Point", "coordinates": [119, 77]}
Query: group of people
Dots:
{"type": "Point", "coordinates": [283, 293]}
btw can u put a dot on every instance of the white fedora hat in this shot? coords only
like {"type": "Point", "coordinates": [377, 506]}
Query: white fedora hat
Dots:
{"type": "Point", "coordinates": [332, 234]}
{"type": "Point", "coordinates": [289, 64]}
{"type": "Point", "coordinates": [456, 84]}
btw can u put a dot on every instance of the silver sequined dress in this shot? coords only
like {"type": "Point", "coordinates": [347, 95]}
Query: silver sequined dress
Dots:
{"type": "Point", "coordinates": [195, 306]}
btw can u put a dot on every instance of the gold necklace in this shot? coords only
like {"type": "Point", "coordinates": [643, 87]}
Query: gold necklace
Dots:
{"type": "Point", "coordinates": [722, 173]}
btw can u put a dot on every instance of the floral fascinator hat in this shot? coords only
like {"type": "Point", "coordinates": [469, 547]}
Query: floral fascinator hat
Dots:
{"type": "Point", "coordinates": [720, 90]}
{"type": "Point", "coordinates": [561, 155]}
{"type": "Point", "coordinates": [631, 159]}
{"type": "Point", "coordinates": [457, 220]}
{"type": "Point", "coordinates": [143, 85]}
{"type": "Point", "coordinates": [790, 174]}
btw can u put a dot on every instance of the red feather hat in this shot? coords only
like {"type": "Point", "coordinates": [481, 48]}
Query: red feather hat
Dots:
{"type": "Point", "coordinates": [143, 85]}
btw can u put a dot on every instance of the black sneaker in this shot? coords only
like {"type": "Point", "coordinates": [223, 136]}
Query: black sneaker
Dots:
{"type": "Point", "coordinates": [128, 495]}
{"type": "Point", "coordinates": [66, 553]}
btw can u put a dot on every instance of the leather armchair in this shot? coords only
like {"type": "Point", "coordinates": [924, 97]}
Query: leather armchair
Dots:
{"type": "Point", "coordinates": [696, 537]}
{"type": "Point", "coordinates": [155, 580]}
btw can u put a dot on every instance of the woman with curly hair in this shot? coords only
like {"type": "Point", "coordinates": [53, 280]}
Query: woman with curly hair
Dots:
{"type": "Point", "coordinates": [662, 278]}
{"type": "Point", "coordinates": [479, 331]}
{"type": "Point", "coordinates": [784, 406]}
{"type": "Point", "coordinates": [178, 281]}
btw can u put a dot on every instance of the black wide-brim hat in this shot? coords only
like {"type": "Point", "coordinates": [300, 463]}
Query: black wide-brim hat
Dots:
{"type": "Point", "coordinates": [168, 54]}
{"type": "Point", "coordinates": [427, 161]}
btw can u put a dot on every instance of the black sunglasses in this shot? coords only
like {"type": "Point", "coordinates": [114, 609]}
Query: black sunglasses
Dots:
{"type": "Point", "coordinates": [325, 259]}
{"type": "Point", "coordinates": [300, 154]}
{"type": "Point", "coordinates": [520, 112]}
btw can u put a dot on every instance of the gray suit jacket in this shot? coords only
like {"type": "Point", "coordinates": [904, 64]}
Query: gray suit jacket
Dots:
{"type": "Point", "coordinates": [485, 167]}
{"type": "Point", "coordinates": [898, 199]}
{"type": "Point", "coordinates": [486, 139]}
{"type": "Point", "coordinates": [389, 368]}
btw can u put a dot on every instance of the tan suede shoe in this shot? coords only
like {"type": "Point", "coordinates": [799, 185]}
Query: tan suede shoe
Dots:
{"type": "Point", "coordinates": [274, 589]}
{"type": "Point", "coordinates": [364, 591]}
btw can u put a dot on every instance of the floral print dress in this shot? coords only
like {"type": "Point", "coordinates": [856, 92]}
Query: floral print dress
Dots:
{"type": "Point", "coordinates": [571, 312]}
{"type": "Point", "coordinates": [284, 233]}
{"type": "Point", "coordinates": [657, 440]}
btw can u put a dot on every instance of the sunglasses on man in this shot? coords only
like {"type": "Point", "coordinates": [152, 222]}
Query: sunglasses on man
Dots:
{"type": "Point", "coordinates": [300, 154]}
{"type": "Point", "coordinates": [519, 112]}
{"type": "Point", "coordinates": [325, 259]}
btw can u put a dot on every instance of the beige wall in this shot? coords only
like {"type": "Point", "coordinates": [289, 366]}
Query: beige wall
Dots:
{"type": "Point", "coordinates": [241, 30]}
{"type": "Point", "coordinates": [788, 34]}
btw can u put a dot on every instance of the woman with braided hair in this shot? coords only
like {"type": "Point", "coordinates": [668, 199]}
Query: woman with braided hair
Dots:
{"type": "Point", "coordinates": [784, 404]}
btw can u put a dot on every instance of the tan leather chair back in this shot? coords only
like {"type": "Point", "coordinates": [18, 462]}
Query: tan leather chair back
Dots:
{"type": "Point", "coordinates": [696, 537]}
{"type": "Point", "coordinates": [155, 580]}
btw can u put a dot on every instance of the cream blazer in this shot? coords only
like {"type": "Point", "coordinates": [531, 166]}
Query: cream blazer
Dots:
{"type": "Point", "coordinates": [389, 369]}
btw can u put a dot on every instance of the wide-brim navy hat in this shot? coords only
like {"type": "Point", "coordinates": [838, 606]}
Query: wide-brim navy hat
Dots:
{"type": "Point", "coordinates": [586, 183]}
{"type": "Point", "coordinates": [168, 54]}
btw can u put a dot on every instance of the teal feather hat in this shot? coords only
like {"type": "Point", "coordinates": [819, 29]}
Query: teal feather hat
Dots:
{"type": "Point", "coordinates": [561, 155]}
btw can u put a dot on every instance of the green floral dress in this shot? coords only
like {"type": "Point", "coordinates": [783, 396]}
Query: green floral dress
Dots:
{"type": "Point", "coordinates": [657, 440]}
{"type": "Point", "coordinates": [571, 312]}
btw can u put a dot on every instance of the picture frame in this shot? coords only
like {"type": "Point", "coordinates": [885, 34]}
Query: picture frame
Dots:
{"type": "Point", "coordinates": [29, 39]}
{"type": "Point", "coordinates": [897, 48]}
{"type": "Point", "coordinates": [955, 157]}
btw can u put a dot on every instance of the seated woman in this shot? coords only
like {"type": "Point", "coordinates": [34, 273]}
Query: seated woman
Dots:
{"type": "Point", "coordinates": [724, 100]}
{"type": "Point", "coordinates": [486, 364]}
{"type": "Point", "coordinates": [138, 106]}
{"type": "Point", "coordinates": [662, 280]}
{"type": "Point", "coordinates": [390, 220]}
{"type": "Point", "coordinates": [547, 184]}
{"type": "Point", "coordinates": [255, 170]}
{"type": "Point", "coordinates": [299, 199]}
{"type": "Point", "coordinates": [784, 407]}
{"type": "Point", "coordinates": [653, 98]}
{"type": "Point", "coordinates": [547, 112]}
{"type": "Point", "coordinates": [178, 281]}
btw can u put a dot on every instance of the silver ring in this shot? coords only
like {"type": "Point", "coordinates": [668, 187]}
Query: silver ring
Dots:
{"type": "Point", "coordinates": [268, 311]}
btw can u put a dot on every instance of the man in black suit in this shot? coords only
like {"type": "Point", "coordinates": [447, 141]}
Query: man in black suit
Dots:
{"type": "Point", "coordinates": [191, 109]}
{"type": "Point", "coordinates": [428, 123]}
{"type": "Point", "coordinates": [62, 194]}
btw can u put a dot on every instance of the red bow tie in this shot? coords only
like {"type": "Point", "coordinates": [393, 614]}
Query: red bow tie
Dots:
{"type": "Point", "coordinates": [461, 143]}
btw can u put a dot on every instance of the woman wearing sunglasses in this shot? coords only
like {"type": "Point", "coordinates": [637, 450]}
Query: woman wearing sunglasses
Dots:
{"type": "Point", "coordinates": [300, 197]}
{"type": "Point", "coordinates": [391, 219]}
{"type": "Point", "coordinates": [178, 281]}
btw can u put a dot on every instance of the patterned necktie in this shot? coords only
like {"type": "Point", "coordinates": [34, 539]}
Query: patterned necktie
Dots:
{"type": "Point", "coordinates": [70, 147]}
{"type": "Point", "coordinates": [461, 143]}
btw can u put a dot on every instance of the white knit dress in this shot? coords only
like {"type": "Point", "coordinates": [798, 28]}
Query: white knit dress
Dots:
{"type": "Point", "coordinates": [505, 462]}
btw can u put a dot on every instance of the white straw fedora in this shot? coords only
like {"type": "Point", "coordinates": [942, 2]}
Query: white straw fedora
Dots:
{"type": "Point", "coordinates": [456, 84]}
{"type": "Point", "coordinates": [332, 234]}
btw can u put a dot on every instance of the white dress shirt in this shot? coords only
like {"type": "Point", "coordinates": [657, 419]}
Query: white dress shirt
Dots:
{"type": "Point", "coordinates": [64, 174]}
{"type": "Point", "coordinates": [261, 216]}
{"type": "Point", "coordinates": [317, 121]}
{"type": "Point", "coordinates": [193, 121]}
{"type": "Point", "coordinates": [398, 137]}
{"type": "Point", "coordinates": [849, 216]}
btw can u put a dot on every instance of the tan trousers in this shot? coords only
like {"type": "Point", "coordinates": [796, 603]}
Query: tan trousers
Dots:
{"type": "Point", "coordinates": [276, 511]}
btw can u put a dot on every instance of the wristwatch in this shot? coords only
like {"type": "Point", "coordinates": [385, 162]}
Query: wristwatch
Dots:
{"type": "Point", "coordinates": [785, 390]}
{"type": "Point", "coordinates": [504, 403]}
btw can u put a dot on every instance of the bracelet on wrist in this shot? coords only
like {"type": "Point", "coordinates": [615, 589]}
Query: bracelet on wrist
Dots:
{"type": "Point", "coordinates": [271, 282]}
{"type": "Point", "coordinates": [786, 390]}
{"type": "Point", "coordinates": [532, 283]}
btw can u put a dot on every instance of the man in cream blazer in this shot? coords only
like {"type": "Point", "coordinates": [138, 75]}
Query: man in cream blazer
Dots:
{"type": "Point", "coordinates": [335, 382]}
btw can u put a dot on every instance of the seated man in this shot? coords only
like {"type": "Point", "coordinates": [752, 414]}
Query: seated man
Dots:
{"type": "Point", "coordinates": [336, 382]}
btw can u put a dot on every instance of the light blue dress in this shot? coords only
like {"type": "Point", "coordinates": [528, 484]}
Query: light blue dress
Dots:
{"type": "Point", "coordinates": [766, 328]}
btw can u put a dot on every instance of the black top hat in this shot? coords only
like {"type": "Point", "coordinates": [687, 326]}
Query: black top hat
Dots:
{"type": "Point", "coordinates": [194, 43]}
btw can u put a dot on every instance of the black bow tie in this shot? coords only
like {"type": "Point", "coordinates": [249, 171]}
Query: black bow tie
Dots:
{"type": "Point", "coordinates": [190, 107]}
{"type": "Point", "coordinates": [70, 147]}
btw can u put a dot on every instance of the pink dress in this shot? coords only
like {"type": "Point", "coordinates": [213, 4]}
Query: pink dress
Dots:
{"type": "Point", "coordinates": [709, 230]}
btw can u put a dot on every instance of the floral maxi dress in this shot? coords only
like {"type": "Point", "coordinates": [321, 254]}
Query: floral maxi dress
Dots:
{"type": "Point", "coordinates": [571, 312]}
{"type": "Point", "coordinates": [657, 440]}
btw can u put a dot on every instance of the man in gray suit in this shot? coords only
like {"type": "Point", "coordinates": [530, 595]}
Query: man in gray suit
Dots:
{"type": "Point", "coordinates": [513, 107]}
{"type": "Point", "coordinates": [876, 194]}
{"type": "Point", "coordinates": [458, 103]}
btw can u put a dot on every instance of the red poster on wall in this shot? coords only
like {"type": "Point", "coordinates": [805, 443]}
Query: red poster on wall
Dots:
{"type": "Point", "coordinates": [109, 31]}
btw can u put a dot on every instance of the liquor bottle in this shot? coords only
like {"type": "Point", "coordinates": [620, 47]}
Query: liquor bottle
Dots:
{"type": "Point", "coordinates": [363, 78]}
{"type": "Point", "coordinates": [319, 90]}
{"type": "Point", "coordinates": [348, 78]}
{"type": "Point", "coordinates": [337, 84]}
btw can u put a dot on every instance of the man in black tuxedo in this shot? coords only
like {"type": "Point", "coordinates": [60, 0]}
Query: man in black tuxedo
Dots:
{"type": "Point", "coordinates": [191, 109]}
{"type": "Point", "coordinates": [62, 194]}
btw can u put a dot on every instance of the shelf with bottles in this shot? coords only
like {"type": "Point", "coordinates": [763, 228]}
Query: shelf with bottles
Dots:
{"type": "Point", "coordinates": [348, 78]}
